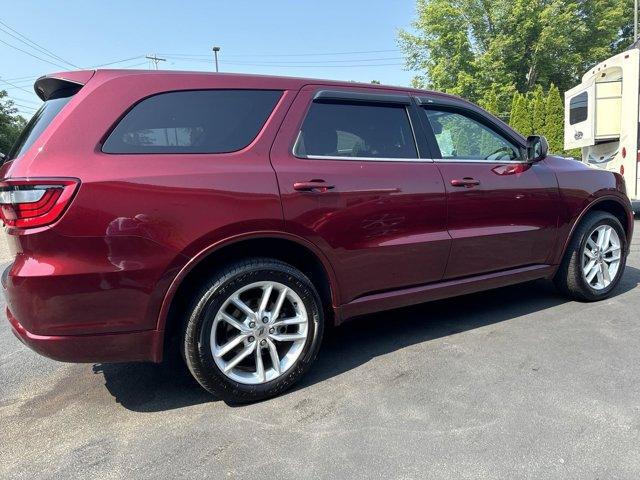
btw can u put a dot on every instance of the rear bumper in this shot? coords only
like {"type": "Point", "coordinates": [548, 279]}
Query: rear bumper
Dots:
{"type": "Point", "coordinates": [119, 347]}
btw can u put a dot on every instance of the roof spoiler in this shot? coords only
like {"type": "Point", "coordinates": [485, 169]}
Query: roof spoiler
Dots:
{"type": "Point", "coordinates": [61, 84]}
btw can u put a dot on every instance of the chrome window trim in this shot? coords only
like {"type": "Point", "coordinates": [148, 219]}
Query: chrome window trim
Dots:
{"type": "Point", "coordinates": [475, 160]}
{"type": "Point", "coordinates": [367, 159]}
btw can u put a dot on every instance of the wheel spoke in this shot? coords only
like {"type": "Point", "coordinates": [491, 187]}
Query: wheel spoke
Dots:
{"type": "Point", "coordinates": [297, 320]}
{"type": "Point", "coordinates": [260, 373]}
{"type": "Point", "coordinates": [275, 359]}
{"type": "Point", "coordinates": [613, 258]}
{"type": "Point", "coordinates": [233, 322]}
{"type": "Point", "coordinates": [589, 253]}
{"type": "Point", "coordinates": [287, 337]}
{"type": "Point", "coordinates": [276, 309]}
{"type": "Point", "coordinates": [592, 272]}
{"type": "Point", "coordinates": [605, 238]}
{"type": "Point", "coordinates": [242, 306]}
{"type": "Point", "coordinates": [600, 275]}
{"type": "Point", "coordinates": [264, 301]}
{"type": "Point", "coordinates": [588, 267]}
{"type": "Point", "coordinates": [593, 245]}
{"type": "Point", "coordinates": [605, 273]}
{"type": "Point", "coordinates": [611, 249]}
{"type": "Point", "coordinates": [230, 345]}
{"type": "Point", "coordinates": [241, 356]}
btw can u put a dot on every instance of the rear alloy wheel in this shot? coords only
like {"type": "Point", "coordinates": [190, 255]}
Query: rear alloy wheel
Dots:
{"type": "Point", "coordinates": [259, 332]}
{"type": "Point", "coordinates": [254, 329]}
{"type": "Point", "coordinates": [595, 258]}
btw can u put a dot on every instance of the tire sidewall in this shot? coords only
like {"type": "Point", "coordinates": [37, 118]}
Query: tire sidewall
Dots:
{"type": "Point", "coordinates": [213, 299]}
{"type": "Point", "coordinates": [588, 290]}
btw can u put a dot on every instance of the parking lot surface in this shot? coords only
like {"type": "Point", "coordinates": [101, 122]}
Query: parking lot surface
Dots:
{"type": "Point", "coordinates": [513, 383]}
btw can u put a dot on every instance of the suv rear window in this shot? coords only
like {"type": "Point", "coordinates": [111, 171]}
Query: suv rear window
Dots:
{"type": "Point", "coordinates": [356, 130]}
{"type": "Point", "coordinates": [195, 121]}
{"type": "Point", "coordinates": [40, 120]}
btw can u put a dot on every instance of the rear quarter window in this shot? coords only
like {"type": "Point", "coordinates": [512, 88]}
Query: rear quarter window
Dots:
{"type": "Point", "coordinates": [199, 121]}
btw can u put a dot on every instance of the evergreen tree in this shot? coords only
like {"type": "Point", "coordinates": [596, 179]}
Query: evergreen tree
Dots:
{"type": "Point", "coordinates": [538, 111]}
{"type": "Point", "coordinates": [554, 124]}
{"type": "Point", "coordinates": [520, 119]}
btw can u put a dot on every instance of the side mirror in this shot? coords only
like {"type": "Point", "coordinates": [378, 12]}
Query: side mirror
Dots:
{"type": "Point", "coordinates": [537, 148]}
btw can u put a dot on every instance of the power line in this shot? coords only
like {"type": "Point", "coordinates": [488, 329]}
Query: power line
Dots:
{"type": "Point", "coordinates": [363, 60]}
{"type": "Point", "coordinates": [308, 54]}
{"type": "Point", "coordinates": [25, 100]}
{"type": "Point", "coordinates": [119, 61]}
{"type": "Point", "coordinates": [30, 43]}
{"type": "Point", "coordinates": [25, 106]}
{"type": "Point", "coordinates": [312, 66]}
{"type": "Point", "coordinates": [15, 86]}
{"type": "Point", "coordinates": [32, 55]}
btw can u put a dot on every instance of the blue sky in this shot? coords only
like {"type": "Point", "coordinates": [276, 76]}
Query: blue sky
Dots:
{"type": "Point", "coordinates": [296, 38]}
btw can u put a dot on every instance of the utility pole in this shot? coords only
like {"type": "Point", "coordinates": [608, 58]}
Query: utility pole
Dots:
{"type": "Point", "coordinates": [154, 58]}
{"type": "Point", "coordinates": [215, 55]}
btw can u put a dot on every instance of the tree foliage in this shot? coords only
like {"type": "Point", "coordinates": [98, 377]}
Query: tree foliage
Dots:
{"type": "Point", "coordinates": [10, 123]}
{"type": "Point", "coordinates": [492, 51]}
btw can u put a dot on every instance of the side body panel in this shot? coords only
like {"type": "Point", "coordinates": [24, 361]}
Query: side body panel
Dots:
{"type": "Point", "coordinates": [382, 226]}
{"type": "Point", "coordinates": [509, 220]}
{"type": "Point", "coordinates": [136, 220]}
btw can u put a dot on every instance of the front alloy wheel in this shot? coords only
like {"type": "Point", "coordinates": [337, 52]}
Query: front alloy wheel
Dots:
{"type": "Point", "coordinates": [595, 258]}
{"type": "Point", "coordinates": [601, 257]}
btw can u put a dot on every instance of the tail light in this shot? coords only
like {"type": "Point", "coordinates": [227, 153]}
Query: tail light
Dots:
{"type": "Point", "coordinates": [34, 202]}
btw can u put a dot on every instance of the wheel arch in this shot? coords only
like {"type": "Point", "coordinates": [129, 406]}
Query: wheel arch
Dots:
{"type": "Point", "coordinates": [285, 247]}
{"type": "Point", "coordinates": [610, 204]}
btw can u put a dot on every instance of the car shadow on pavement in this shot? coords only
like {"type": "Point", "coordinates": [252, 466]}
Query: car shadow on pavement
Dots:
{"type": "Point", "coordinates": [146, 387]}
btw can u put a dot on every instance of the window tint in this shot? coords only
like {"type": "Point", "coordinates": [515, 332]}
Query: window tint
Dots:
{"type": "Point", "coordinates": [40, 120]}
{"type": "Point", "coordinates": [578, 111]}
{"type": "Point", "coordinates": [356, 130]}
{"type": "Point", "coordinates": [462, 137]}
{"type": "Point", "coordinates": [203, 121]}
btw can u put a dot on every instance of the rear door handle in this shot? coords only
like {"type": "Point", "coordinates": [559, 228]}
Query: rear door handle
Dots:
{"type": "Point", "coordinates": [319, 186]}
{"type": "Point", "coordinates": [465, 182]}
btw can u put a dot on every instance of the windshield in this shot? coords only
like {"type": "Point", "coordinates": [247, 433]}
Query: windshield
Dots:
{"type": "Point", "coordinates": [40, 120]}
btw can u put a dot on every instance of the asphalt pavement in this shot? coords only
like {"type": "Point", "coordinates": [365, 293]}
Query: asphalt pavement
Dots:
{"type": "Point", "coordinates": [512, 383]}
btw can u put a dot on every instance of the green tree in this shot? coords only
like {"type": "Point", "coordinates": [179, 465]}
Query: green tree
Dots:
{"type": "Point", "coordinates": [554, 125]}
{"type": "Point", "coordinates": [11, 124]}
{"type": "Point", "coordinates": [520, 119]}
{"type": "Point", "coordinates": [467, 47]}
{"type": "Point", "coordinates": [538, 111]}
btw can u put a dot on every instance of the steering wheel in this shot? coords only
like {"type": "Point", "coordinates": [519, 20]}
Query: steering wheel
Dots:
{"type": "Point", "coordinates": [506, 149]}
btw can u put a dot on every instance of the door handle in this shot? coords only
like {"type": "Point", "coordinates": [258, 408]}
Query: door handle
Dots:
{"type": "Point", "coordinates": [319, 186]}
{"type": "Point", "coordinates": [465, 182]}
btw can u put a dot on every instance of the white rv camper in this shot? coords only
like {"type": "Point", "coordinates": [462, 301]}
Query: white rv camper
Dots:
{"type": "Point", "coordinates": [602, 118]}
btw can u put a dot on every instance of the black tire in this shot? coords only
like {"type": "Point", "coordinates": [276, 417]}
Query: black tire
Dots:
{"type": "Point", "coordinates": [569, 278]}
{"type": "Point", "coordinates": [196, 343]}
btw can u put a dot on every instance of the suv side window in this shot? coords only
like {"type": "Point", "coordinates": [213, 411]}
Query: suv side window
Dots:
{"type": "Point", "coordinates": [356, 130]}
{"type": "Point", "coordinates": [460, 137]}
{"type": "Point", "coordinates": [195, 121]}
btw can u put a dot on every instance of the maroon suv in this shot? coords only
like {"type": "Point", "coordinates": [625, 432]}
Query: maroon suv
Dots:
{"type": "Point", "coordinates": [237, 215]}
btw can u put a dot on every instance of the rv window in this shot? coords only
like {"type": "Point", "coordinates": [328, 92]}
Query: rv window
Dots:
{"type": "Point", "coordinates": [578, 108]}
